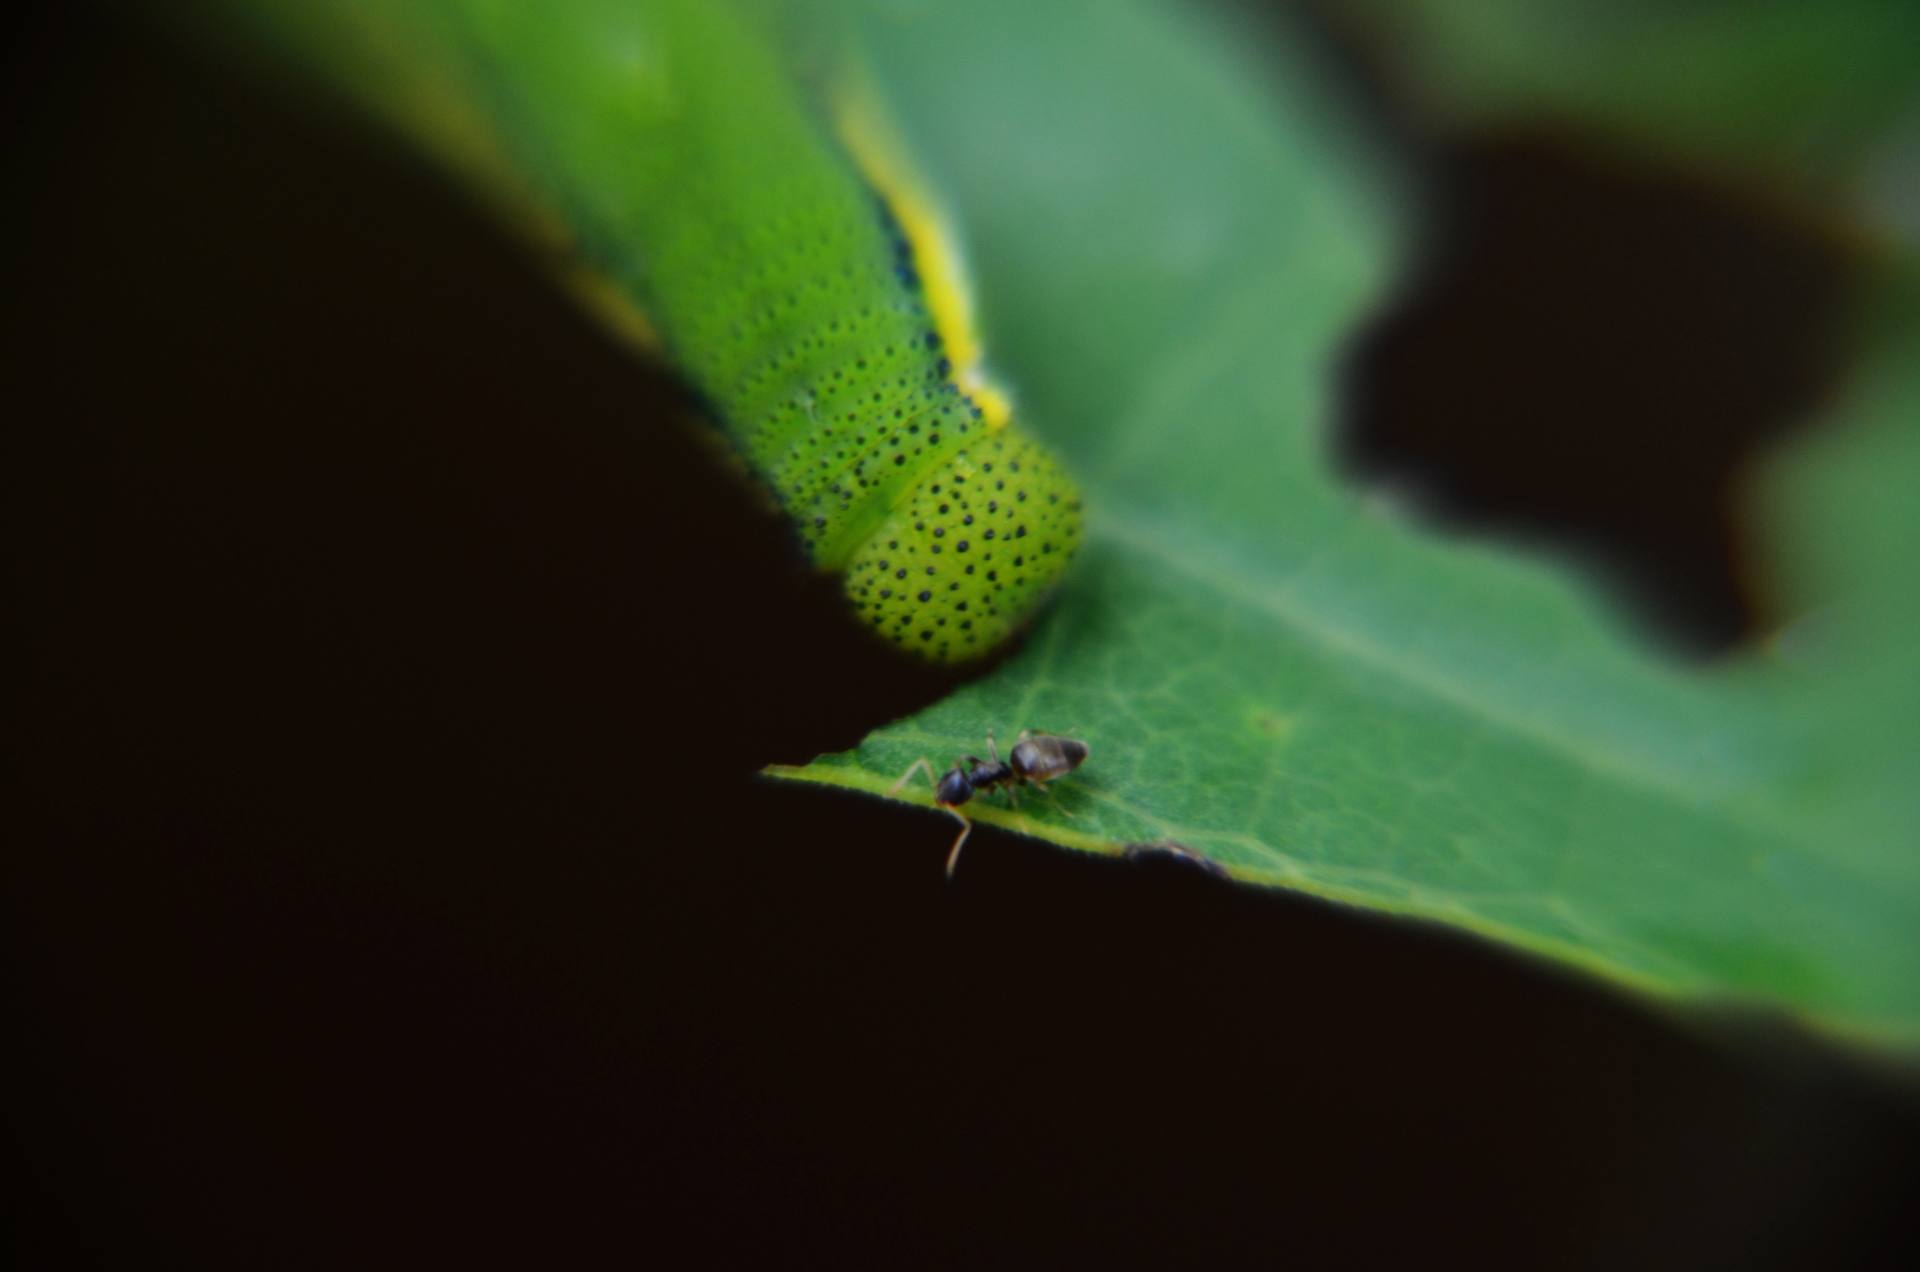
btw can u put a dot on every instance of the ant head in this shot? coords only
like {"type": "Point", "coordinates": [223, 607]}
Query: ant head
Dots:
{"type": "Point", "coordinates": [954, 787]}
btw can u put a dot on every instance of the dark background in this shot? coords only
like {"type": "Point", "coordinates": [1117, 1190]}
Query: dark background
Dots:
{"type": "Point", "coordinates": [387, 876]}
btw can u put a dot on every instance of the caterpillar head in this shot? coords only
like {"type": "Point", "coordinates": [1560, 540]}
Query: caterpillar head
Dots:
{"type": "Point", "coordinates": [962, 561]}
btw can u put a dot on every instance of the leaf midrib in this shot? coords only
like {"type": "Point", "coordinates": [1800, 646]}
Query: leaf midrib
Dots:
{"type": "Point", "coordinates": [1138, 530]}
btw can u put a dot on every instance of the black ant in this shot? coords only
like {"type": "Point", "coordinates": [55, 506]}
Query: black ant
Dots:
{"type": "Point", "coordinates": [1035, 760]}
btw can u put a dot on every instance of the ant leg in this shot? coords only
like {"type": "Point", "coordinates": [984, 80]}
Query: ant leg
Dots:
{"type": "Point", "coordinates": [1046, 790]}
{"type": "Point", "coordinates": [992, 750]}
{"type": "Point", "coordinates": [966, 828]}
{"type": "Point", "coordinates": [915, 767]}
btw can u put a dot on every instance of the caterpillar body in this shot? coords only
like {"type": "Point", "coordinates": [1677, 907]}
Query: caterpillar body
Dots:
{"type": "Point", "coordinates": [763, 234]}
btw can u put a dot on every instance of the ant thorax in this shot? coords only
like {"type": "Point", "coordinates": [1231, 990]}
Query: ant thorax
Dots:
{"type": "Point", "coordinates": [989, 773]}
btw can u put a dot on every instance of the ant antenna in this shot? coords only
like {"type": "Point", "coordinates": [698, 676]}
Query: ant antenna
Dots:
{"type": "Point", "coordinates": [917, 766]}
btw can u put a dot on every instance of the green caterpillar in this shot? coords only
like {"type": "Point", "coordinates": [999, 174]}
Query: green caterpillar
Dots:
{"type": "Point", "coordinates": [761, 233]}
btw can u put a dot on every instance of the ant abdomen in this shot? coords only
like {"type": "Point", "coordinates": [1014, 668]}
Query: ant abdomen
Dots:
{"type": "Point", "coordinates": [1041, 757]}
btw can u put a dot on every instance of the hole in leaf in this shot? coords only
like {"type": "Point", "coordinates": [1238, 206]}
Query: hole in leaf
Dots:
{"type": "Point", "coordinates": [1590, 356]}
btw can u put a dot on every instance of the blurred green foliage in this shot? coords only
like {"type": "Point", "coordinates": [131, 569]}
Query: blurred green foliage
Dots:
{"type": "Point", "coordinates": [1793, 92]}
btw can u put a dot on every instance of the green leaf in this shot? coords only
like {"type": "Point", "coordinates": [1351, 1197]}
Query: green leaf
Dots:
{"type": "Point", "coordinates": [1787, 90]}
{"type": "Point", "coordinates": [1171, 245]}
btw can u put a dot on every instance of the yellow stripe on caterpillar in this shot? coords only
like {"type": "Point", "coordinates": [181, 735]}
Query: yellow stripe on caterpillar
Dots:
{"type": "Point", "coordinates": [881, 157]}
